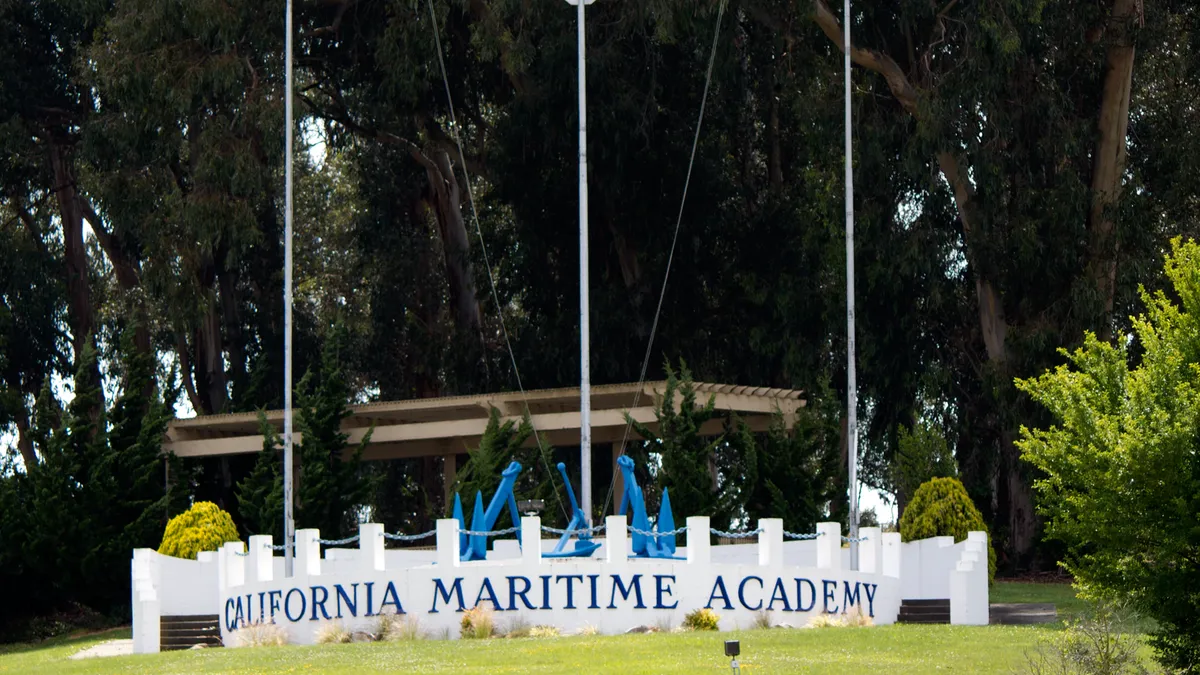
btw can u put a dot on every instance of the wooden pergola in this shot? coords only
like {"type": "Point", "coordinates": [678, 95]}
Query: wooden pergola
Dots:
{"type": "Point", "coordinates": [447, 427]}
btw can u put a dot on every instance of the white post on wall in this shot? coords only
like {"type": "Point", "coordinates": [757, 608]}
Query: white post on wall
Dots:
{"type": "Point", "coordinates": [370, 547]}
{"type": "Point", "coordinates": [289, 524]}
{"type": "Point", "coordinates": [261, 558]}
{"type": "Point", "coordinates": [447, 543]}
{"type": "Point", "coordinates": [616, 542]}
{"type": "Point", "coordinates": [699, 549]}
{"type": "Point", "coordinates": [770, 542]}
{"type": "Point", "coordinates": [829, 546]}
{"type": "Point", "coordinates": [585, 383]}
{"type": "Point", "coordinates": [851, 375]}
{"type": "Point", "coordinates": [308, 553]}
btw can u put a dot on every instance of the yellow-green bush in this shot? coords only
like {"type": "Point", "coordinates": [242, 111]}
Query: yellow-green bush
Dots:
{"type": "Point", "coordinates": [942, 508]}
{"type": "Point", "coordinates": [204, 527]}
{"type": "Point", "coordinates": [701, 619]}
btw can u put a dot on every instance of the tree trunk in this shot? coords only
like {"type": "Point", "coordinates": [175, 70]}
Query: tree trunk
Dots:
{"type": "Point", "coordinates": [80, 314]}
{"type": "Point", "coordinates": [234, 342]}
{"type": "Point", "coordinates": [447, 200]}
{"type": "Point", "coordinates": [25, 439]}
{"type": "Point", "coordinates": [1015, 499]}
{"type": "Point", "coordinates": [1108, 162]}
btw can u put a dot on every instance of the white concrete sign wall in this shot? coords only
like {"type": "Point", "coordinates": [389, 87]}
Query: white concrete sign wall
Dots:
{"type": "Point", "coordinates": [791, 582]}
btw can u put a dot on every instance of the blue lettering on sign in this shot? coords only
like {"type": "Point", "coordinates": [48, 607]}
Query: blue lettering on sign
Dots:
{"type": "Point", "coordinates": [830, 588]}
{"type": "Point", "coordinates": [513, 593]}
{"type": "Point", "coordinates": [230, 623]}
{"type": "Point", "coordinates": [592, 578]}
{"type": "Point", "coordinates": [635, 585]}
{"type": "Point", "coordinates": [287, 605]}
{"type": "Point", "coordinates": [262, 606]}
{"type": "Point", "coordinates": [661, 589]}
{"type": "Point", "coordinates": [850, 598]}
{"type": "Point", "coordinates": [390, 592]}
{"type": "Point", "coordinates": [719, 585]}
{"type": "Point", "coordinates": [342, 595]}
{"type": "Point", "coordinates": [491, 595]}
{"type": "Point", "coordinates": [871, 598]}
{"type": "Point", "coordinates": [320, 603]}
{"type": "Point", "coordinates": [273, 600]}
{"type": "Point", "coordinates": [239, 616]}
{"type": "Point", "coordinates": [778, 594]}
{"type": "Point", "coordinates": [742, 593]}
{"type": "Point", "coordinates": [570, 589]}
{"type": "Point", "coordinates": [545, 590]}
{"type": "Point", "coordinates": [370, 597]}
{"type": "Point", "coordinates": [439, 589]}
{"type": "Point", "coordinates": [812, 594]}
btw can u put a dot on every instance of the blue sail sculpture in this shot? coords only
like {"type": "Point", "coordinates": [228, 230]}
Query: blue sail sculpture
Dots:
{"type": "Point", "coordinates": [584, 546]}
{"type": "Point", "coordinates": [646, 546]}
{"type": "Point", "coordinates": [474, 546]}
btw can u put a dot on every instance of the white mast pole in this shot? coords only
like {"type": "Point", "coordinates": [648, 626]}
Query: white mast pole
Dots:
{"type": "Point", "coordinates": [585, 385]}
{"type": "Point", "coordinates": [289, 524]}
{"type": "Point", "coordinates": [851, 375]}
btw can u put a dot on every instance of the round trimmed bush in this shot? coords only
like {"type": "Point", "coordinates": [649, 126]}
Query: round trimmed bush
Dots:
{"type": "Point", "coordinates": [204, 527]}
{"type": "Point", "coordinates": [941, 507]}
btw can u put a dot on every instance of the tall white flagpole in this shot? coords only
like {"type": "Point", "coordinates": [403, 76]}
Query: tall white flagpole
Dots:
{"type": "Point", "coordinates": [289, 524]}
{"type": "Point", "coordinates": [585, 384]}
{"type": "Point", "coordinates": [851, 375]}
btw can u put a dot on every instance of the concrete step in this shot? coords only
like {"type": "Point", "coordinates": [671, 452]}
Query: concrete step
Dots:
{"type": "Point", "coordinates": [936, 610]}
{"type": "Point", "coordinates": [187, 631]}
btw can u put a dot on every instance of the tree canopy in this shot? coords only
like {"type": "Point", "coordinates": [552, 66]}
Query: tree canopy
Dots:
{"type": "Point", "coordinates": [1020, 168]}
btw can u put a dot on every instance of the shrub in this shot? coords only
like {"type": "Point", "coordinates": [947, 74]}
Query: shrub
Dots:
{"type": "Point", "coordinates": [332, 633]}
{"type": "Point", "coordinates": [393, 627]}
{"type": "Point", "coordinates": [762, 619]}
{"type": "Point", "coordinates": [587, 629]}
{"type": "Point", "coordinates": [942, 508]}
{"type": "Point", "coordinates": [701, 619]}
{"type": "Point", "coordinates": [478, 623]}
{"type": "Point", "coordinates": [1121, 462]}
{"type": "Point", "coordinates": [543, 632]}
{"type": "Point", "coordinates": [825, 621]}
{"type": "Point", "coordinates": [517, 628]}
{"type": "Point", "coordinates": [261, 634]}
{"type": "Point", "coordinates": [204, 527]}
{"type": "Point", "coordinates": [1096, 644]}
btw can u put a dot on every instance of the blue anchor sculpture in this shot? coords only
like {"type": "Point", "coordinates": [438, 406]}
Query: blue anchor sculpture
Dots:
{"type": "Point", "coordinates": [646, 546]}
{"type": "Point", "coordinates": [474, 546]}
{"type": "Point", "coordinates": [584, 546]}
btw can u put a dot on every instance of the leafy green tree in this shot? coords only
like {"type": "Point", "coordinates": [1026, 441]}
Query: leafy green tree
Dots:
{"type": "Point", "coordinates": [796, 472]}
{"type": "Point", "coordinates": [922, 454]}
{"type": "Point", "coordinates": [1121, 482]}
{"type": "Point", "coordinates": [688, 452]}
{"type": "Point", "coordinates": [331, 484]}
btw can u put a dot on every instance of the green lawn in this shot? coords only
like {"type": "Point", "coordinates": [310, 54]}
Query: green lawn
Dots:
{"type": "Point", "coordinates": [1062, 595]}
{"type": "Point", "coordinates": [889, 649]}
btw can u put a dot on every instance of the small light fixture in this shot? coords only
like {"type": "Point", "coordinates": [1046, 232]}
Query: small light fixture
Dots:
{"type": "Point", "coordinates": [531, 507]}
{"type": "Point", "coordinates": [732, 649]}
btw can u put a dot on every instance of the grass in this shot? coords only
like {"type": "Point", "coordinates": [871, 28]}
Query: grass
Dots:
{"type": "Point", "coordinates": [1062, 595]}
{"type": "Point", "coordinates": [892, 649]}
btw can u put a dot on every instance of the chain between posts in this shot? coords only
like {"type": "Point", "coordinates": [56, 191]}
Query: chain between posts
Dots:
{"type": "Point", "coordinates": [854, 540]}
{"type": "Point", "coordinates": [589, 530]}
{"type": "Point", "coordinates": [797, 535]}
{"type": "Point", "coordinates": [488, 533]}
{"type": "Point", "coordinates": [736, 535]}
{"type": "Point", "coordinates": [409, 537]}
{"type": "Point", "coordinates": [669, 533]}
{"type": "Point", "coordinates": [337, 542]}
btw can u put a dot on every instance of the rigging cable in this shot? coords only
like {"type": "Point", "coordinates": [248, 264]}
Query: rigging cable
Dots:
{"type": "Point", "coordinates": [671, 257]}
{"type": "Point", "coordinates": [487, 263]}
